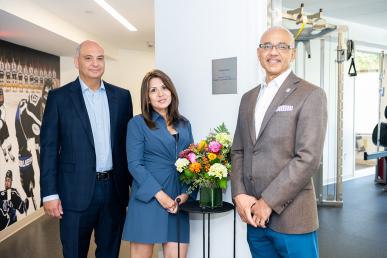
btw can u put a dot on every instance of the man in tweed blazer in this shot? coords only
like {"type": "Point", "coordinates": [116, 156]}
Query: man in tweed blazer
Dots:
{"type": "Point", "coordinates": [277, 148]}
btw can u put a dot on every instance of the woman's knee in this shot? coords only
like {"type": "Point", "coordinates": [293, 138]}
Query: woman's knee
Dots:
{"type": "Point", "coordinates": [140, 250]}
{"type": "Point", "coordinates": [170, 250]}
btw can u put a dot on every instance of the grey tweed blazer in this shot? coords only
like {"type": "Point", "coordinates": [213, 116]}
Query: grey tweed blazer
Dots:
{"type": "Point", "coordinates": [278, 165]}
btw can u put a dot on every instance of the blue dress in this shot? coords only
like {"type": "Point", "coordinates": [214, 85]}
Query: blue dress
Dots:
{"type": "Point", "coordinates": [151, 157]}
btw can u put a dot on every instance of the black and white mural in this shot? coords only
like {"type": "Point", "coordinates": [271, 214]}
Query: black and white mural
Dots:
{"type": "Point", "coordinates": [26, 77]}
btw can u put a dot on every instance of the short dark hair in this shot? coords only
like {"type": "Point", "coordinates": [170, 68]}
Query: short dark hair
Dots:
{"type": "Point", "coordinates": [173, 114]}
{"type": "Point", "coordinates": [8, 174]}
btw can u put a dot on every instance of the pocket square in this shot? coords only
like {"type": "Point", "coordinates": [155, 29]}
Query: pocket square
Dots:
{"type": "Point", "coordinates": [284, 108]}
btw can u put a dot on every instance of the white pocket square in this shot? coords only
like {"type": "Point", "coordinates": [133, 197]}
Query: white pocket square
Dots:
{"type": "Point", "coordinates": [284, 108]}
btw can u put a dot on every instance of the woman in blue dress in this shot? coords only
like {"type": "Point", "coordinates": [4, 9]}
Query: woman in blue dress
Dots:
{"type": "Point", "coordinates": [154, 140]}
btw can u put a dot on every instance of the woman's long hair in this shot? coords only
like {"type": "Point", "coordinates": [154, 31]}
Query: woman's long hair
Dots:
{"type": "Point", "coordinates": [173, 114]}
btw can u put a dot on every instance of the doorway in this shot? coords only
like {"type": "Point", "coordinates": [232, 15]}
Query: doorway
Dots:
{"type": "Point", "coordinates": [366, 110]}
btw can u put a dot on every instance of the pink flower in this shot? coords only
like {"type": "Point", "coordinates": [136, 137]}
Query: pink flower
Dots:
{"type": "Point", "coordinates": [214, 146]}
{"type": "Point", "coordinates": [191, 157]}
{"type": "Point", "coordinates": [184, 153]}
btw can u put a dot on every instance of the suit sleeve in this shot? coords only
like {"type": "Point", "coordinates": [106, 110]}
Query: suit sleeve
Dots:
{"type": "Point", "coordinates": [130, 116]}
{"type": "Point", "coordinates": [130, 104]}
{"type": "Point", "coordinates": [135, 141]}
{"type": "Point", "coordinates": [237, 155]}
{"type": "Point", "coordinates": [309, 142]}
{"type": "Point", "coordinates": [49, 138]}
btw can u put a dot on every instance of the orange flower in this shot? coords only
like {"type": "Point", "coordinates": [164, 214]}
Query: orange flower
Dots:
{"type": "Point", "coordinates": [195, 167]}
{"type": "Point", "coordinates": [211, 156]}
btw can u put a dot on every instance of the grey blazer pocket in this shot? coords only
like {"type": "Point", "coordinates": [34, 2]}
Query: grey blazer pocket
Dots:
{"type": "Point", "coordinates": [66, 167]}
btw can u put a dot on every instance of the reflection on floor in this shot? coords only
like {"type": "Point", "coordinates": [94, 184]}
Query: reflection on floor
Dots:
{"type": "Point", "coordinates": [357, 230]}
{"type": "Point", "coordinates": [363, 170]}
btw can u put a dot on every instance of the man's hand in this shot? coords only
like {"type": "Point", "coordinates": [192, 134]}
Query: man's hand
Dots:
{"type": "Point", "coordinates": [53, 208]}
{"type": "Point", "coordinates": [167, 202]}
{"type": "Point", "coordinates": [243, 204]}
{"type": "Point", "coordinates": [261, 213]}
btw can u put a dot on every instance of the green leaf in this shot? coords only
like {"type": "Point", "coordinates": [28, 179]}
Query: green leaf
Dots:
{"type": "Point", "coordinates": [223, 183]}
{"type": "Point", "coordinates": [221, 129]}
{"type": "Point", "coordinates": [188, 173]}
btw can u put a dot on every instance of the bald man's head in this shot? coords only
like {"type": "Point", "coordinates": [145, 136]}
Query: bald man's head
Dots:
{"type": "Point", "coordinates": [276, 51]}
{"type": "Point", "coordinates": [278, 29]}
{"type": "Point", "coordinates": [85, 44]}
{"type": "Point", "coordinates": [90, 61]}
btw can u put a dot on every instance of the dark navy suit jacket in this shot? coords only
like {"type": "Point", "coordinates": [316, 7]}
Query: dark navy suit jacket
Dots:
{"type": "Point", "coordinates": [68, 161]}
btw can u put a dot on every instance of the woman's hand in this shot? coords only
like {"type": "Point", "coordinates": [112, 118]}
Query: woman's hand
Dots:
{"type": "Point", "coordinates": [183, 198]}
{"type": "Point", "coordinates": [166, 201]}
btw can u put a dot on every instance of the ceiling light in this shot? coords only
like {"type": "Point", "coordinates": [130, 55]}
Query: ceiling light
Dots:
{"type": "Point", "coordinates": [116, 15]}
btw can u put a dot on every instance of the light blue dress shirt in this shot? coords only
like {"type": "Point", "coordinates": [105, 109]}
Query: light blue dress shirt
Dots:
{"type": "Point", "coordinates": [97, 106]}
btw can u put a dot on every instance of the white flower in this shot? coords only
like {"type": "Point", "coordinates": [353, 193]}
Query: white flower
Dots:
{"type": "Point", "coordinates": [224, 139]}
{"type": "Point", "coordinates": [181, 164]}
{"type": "Point", "coordinates": [218, 170]}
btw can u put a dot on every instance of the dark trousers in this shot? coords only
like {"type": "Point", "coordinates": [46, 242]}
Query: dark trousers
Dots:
{"type": "Point", "coordinates": [105, 216]}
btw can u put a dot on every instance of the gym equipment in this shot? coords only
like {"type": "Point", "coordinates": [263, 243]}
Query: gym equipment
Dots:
{"type": "Point", "coordinates": [379, 136]}
{"type": "Point", "coordinates": [314, 26]}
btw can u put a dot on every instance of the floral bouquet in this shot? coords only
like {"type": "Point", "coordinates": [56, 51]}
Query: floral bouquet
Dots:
{"type": "Point", "coordinates": [208, 163]}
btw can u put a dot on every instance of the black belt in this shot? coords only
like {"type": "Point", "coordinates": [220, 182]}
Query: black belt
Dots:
{"type": "Point", "coordinates": [104, 175]}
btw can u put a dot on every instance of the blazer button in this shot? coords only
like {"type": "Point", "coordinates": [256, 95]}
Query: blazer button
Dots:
{"type": "Point", "coordinates": [250, 178]}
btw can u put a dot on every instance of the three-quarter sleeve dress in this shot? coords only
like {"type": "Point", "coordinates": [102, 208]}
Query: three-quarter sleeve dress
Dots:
{"type": "Point", "coordinates": [151, 155]}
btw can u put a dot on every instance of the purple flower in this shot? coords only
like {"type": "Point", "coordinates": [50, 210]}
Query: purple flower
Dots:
{"type": "Point", "coordinates": [191, 157]}
{"type": "Point", "coordinates": [214, 146]}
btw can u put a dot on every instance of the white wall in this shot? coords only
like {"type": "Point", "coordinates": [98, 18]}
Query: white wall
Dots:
{"type": "Point", "coordinates": [189, 34]}
{"type": "Point", "coordinates": [126, 72]}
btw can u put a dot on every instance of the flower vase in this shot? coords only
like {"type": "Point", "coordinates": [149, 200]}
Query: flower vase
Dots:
{"type": "Point", "coordinates": [210, 197]}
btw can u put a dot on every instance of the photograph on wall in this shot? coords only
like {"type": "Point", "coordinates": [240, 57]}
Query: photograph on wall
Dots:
{"type": "Point", "coordinates": [26, 77]}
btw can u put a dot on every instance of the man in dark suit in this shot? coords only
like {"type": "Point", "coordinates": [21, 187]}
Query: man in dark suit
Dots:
{"type": "Point", "coordinates": [84, 176]}
{"type": "Point", "coordinates": [277, 148]}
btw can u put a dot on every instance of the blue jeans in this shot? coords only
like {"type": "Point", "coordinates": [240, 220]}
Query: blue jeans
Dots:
{"type": "Point", "coordinates": [266, 243]}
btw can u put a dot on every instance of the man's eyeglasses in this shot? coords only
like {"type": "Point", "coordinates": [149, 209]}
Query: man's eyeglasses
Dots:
{"type": "Point", "coordinates": [279, 46]}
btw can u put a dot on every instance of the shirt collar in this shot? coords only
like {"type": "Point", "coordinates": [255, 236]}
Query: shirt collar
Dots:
{"type": "Point", "coordinates": [278, 81]}
{"type": "Point", "coordinates": [85, 88]}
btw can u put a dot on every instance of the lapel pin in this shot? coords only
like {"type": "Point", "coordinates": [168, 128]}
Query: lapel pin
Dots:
{"type": "Point", "coordinates": [287, 90]}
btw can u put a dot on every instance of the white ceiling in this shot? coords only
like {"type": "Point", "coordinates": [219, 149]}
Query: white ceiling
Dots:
{"type": "Point", "coordinates": [368, 12]}
{"type": "Point", "coordinates": [18, 31]}
{"type": "Point", "coordinates": [91, 18]}
{"type": "Point", "coordinates": [87, 15]}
